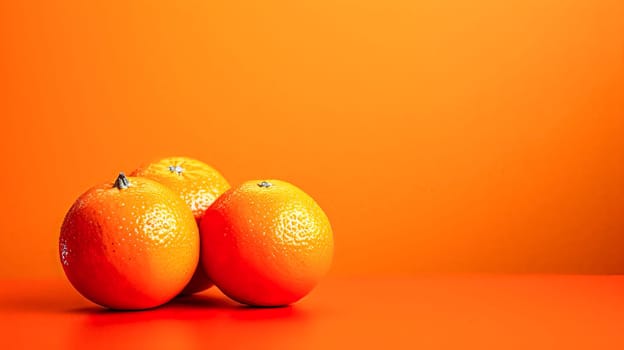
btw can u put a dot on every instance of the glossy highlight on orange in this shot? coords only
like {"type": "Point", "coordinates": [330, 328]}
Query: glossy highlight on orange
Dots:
{"type": "Point", "coordinates": [129, 245]}
{"type": "Point", "coordinates": [266, 243]}
{"type": "Point", "coordinates": [438, 136]}
{"type": "Point", "coordinates": [198, 184]}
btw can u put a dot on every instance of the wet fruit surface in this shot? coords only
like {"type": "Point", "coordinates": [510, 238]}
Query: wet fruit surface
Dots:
{"type": "Point", "coordinates": [132, 244]}
{"type": "Point", "coordinates": [198, 184]}
{"type": "Point", "coordinates": [266, 243]}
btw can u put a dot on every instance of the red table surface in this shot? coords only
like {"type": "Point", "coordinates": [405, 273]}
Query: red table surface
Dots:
{"type": "Point", "coordinates": [435, 312]}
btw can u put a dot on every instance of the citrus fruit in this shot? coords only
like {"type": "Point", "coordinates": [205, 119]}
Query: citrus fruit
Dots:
{"type": "Point", "coordinates": [198, 184]}
{"type": "Point", "coordinates": [131, 244]}
{"type": "Point", "coordinates": [265, 243]}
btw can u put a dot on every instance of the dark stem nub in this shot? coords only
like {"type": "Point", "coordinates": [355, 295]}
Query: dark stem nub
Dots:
{"type": "Point", "coordinates": [176, 169]}
{"type": "Point", "coordinates": [122, 181]}
{"type": "Point", "coordinates": [265, 184]}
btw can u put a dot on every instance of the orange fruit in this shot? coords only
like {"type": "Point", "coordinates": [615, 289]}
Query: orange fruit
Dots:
{"type": "Point", "coordinates": [266, 243]}
{"type": "Point", "coordinates": [198, 184]}
{"type": "Point", "coordinates": [131, 244]}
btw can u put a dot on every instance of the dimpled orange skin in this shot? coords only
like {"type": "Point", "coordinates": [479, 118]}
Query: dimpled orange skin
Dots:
{"type": "Point", "coordinates": [130, 248]}
{"type": "Point", "coordinates": [198, 184]}
{"type": "Point", "coordinates": [266, 243]}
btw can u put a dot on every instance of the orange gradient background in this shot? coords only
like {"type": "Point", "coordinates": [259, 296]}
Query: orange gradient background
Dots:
{"type": "Point", "coordinates": [439, 136]}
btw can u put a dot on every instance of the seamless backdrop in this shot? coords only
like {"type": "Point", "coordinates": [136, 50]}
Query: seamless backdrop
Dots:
{"type": "Point", "coordinates": [439, 136]}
